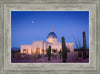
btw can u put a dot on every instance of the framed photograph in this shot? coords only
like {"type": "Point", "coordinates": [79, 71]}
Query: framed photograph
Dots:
{"type": "Point", "coordinates": [34, 25]}
{"type": "Point", "coordinates": [46, 37]}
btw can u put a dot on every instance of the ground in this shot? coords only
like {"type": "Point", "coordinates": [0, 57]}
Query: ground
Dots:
{"type": "Point", "coordinates": [72, 58]}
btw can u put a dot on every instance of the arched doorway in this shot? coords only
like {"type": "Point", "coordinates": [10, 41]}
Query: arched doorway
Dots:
{"type": "Point", "coordinates": [37, 50]}
{"type": "Point", "coordinates": [24, 51]}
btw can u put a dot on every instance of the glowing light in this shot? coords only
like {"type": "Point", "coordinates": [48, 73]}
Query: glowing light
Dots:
{"type": "Point", "coordinates": [33, 22]}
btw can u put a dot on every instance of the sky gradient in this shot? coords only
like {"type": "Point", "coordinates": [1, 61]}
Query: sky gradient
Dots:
{"type": "Point", "coordinates": [29, 26]}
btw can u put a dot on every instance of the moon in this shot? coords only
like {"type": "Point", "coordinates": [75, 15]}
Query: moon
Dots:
{"type": "Point", "coordinates": [33, 22]}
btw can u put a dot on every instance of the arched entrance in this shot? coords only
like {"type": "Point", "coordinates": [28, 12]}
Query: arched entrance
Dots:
{"type": "Point", "coordinates": [37, 50]}
{"type": "Point", "coordinates": [24, 51]}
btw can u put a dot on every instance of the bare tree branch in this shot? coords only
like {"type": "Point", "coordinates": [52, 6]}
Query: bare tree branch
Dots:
{"type": "Point", "coordinates": [75, 42]}
{"type": "Point", "coordinates": [79, 43]}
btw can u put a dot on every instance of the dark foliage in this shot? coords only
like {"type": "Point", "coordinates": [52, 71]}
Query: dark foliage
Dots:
{"type": "Point", "coordinates": [54, 50]}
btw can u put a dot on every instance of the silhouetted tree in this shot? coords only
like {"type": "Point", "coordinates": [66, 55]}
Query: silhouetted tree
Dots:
{"type": "Point", "coordinates": [14, 53]}
{"type": "Point", "coordinates": [78, 47]}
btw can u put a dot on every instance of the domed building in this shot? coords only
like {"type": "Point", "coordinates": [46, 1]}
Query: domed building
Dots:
{"type": "Point", "coordinates": [42, 46]}
{"type": "Point", "coordinates": [51, 37]}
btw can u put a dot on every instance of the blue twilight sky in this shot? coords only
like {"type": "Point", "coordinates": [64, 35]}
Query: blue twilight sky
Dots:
{"type": "Point", "coordinates": [29, 26]}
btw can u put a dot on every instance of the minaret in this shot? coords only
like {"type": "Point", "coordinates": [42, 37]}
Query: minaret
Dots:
{"type": "Point", "coordinates": [51, 29]}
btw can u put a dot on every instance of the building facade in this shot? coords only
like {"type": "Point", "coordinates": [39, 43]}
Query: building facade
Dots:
{"type": "Point", "coordinates": [42, 46]}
